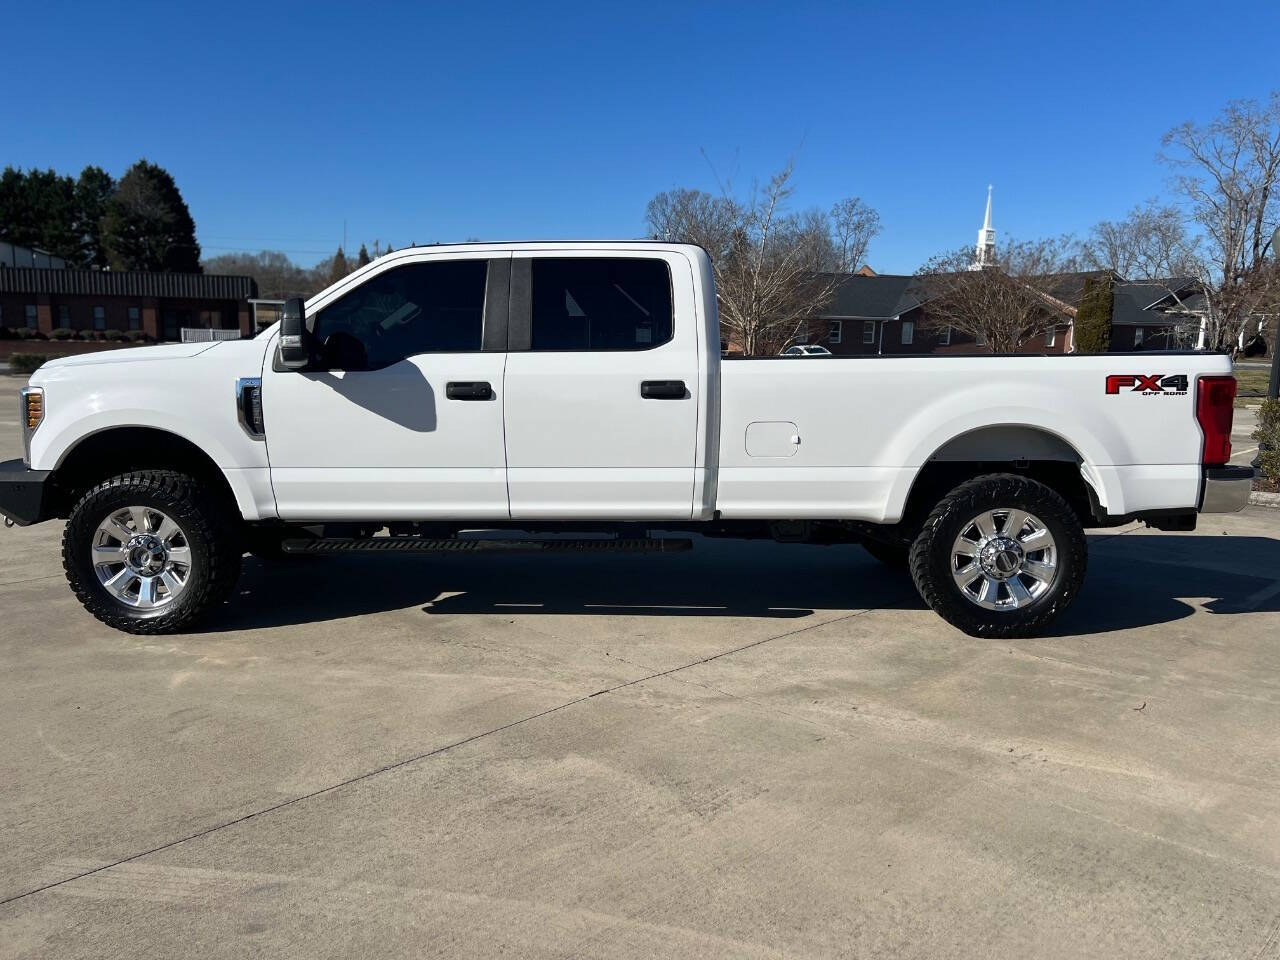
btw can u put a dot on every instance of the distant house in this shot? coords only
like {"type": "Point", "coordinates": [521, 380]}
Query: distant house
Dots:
{"type": "Point", "coordinates": [1157, 314]}
{"type": "Point", "coordinates": [878, 314]}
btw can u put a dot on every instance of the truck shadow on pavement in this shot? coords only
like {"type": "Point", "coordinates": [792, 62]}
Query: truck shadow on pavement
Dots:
{"type": "Point", "coordinates": [1134, 580]}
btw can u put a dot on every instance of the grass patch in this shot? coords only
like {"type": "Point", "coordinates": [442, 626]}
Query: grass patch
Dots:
{"type": "Point", "coordinates": [1251, 384]}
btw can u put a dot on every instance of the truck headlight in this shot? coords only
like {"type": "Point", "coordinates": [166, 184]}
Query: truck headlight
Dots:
{"type": "Point", "coordinates": [32, 401]}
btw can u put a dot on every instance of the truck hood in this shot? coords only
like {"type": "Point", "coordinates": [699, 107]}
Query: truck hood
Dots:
{"type": "Point", "coordinates": [166, 351]}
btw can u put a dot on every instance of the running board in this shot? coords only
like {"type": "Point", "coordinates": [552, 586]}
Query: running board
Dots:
{"type": "Point", "coordinates": [329, 546]}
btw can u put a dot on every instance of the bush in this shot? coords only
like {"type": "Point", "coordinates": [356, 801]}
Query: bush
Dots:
{"type": "Point", "coordinates": [28, 363]}
{"type": "Point", "coordinates": [137, 336]}
{"type": "Point", "coordinates": [115, 336]}
{"type": "Point", "coordinates": [62, 333]}
{"type": "Point", "coordinates": [8, 333]}
{"type": "Point", "coordinates": [26, 333]}
{"type": "Point", "coordinates": [1268, 437]}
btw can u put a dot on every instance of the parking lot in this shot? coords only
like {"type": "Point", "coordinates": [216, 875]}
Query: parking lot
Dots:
{"type": "Point", "coordinates": [750, 750]}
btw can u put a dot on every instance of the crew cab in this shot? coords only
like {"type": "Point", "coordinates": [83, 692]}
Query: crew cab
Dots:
{"type": "Point", "coordinates": [578, 389]}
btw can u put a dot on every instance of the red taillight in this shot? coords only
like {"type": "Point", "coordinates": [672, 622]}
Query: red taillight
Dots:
{"type": "Point", "coordinates": [1214, 399]}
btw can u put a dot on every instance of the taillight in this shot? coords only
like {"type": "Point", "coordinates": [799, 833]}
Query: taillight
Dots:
{"type": "Point", "coordinates": [1214, 399]}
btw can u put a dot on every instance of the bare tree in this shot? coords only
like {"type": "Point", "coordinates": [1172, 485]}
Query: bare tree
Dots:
{"type": "Point", "coordinates": [1229, 172]}
{"type": "Point", "coordinates": [772, 268]}
{"type": "Point", "coordinates": [1150, 243]}
{"type": "Point", "coordinates": [1002, 306]}
{"type": "Point", "coordinates": [855, 225]}
{"type": "Point", "coordinates": [693, 216]}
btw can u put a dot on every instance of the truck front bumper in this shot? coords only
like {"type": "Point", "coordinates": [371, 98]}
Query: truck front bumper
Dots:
{"type": "Point", "coordinates": [25, 495]}
{"type": "Point", "coordinates": [1226, 489]}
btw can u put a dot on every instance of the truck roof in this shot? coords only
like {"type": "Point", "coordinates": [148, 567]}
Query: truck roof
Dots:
{"type": "Point", "coordinates": [503, 245]}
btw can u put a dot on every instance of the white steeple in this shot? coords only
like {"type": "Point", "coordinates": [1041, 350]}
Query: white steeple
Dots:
{"type": "Point", "coordinates": [984, 254]}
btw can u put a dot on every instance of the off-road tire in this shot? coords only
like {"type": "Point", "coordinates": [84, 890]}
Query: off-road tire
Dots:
{"type": "Point", "coordinates": [931, 555]}
{"type": "Point", "coordinates": [212, 530]}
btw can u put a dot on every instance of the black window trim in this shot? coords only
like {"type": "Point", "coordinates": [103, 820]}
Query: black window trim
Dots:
{"type": "Point", "coordinates": [520, 331]}
{"type": "Point", "coordinates": [493, 317]}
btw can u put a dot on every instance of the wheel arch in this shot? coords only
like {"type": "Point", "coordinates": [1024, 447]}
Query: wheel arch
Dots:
{"type": "Point", "coordinates": [114, 450]}
{"type": "Point", "coordinates": [1030, 450]}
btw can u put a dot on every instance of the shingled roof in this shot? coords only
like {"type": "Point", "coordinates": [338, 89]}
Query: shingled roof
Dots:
{"type": "Point", "coordinates": [1145, 303]}
{"type": "Point", "coordinates": [881, 297]}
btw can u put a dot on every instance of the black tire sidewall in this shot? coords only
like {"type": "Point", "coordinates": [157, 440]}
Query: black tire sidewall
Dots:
{"type": "Point", "coordinates": [932, 563]}
{"type": "Point", "coordinates": [202, 524]}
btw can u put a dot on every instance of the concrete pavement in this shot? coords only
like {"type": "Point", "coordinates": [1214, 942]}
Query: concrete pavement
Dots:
{"type": "Point", "coordinates": [751, 750]}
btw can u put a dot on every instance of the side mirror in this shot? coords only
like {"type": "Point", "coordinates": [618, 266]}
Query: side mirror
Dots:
{"type": "Point", "coordinates": [295, 338]}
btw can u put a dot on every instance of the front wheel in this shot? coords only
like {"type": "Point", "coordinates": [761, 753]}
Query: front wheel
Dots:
{"type": "Point", "coordinates": [1000, 556]}
{"type": "Point", "coordinates": [151, 551]}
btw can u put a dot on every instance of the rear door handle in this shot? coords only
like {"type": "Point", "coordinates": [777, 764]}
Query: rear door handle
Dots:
{"type": "Point", "coordinates": [468, 390]}
{"type": "Point", "coordinates": [663, 389]}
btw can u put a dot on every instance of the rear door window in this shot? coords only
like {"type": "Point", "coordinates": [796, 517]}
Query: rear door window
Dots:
{"type": "Point", "coordinates": [600, 304]}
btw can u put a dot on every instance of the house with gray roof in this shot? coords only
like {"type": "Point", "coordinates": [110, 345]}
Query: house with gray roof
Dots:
{"type": "Point", "coordinates": [874, 314]}
{"type": "Point", "coordinates": [1156, 314]}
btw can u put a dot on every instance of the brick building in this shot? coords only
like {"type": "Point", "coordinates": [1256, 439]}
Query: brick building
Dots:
{"type": "Point", "coordinates": [157, 304]}
{"type": "Point", "coordinates": [877, 314]}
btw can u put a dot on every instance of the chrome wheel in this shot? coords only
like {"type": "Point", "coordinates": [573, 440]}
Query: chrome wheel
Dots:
{"type": "Point", "coordinates": [1004, 559]}
{"type": "Point", "coordinates": [141, 557]}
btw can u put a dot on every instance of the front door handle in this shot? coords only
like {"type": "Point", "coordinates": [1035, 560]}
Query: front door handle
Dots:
{"type": "Point", "coordinates": [468, 390]}
{"type": "Point", "coordinates": [663, 389]}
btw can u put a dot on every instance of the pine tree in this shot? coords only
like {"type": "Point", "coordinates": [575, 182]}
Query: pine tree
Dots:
{"type": "Point", "coordinates": [363, 259]}
{"type": "Point", "coordinates": [147, 226]}
{"type": "Point", "coordinates": [338, 268]}
{"type": "Point", "coordinates": [37, 209]}
{"type": "Point", "coordinates": [1093, 317]}
{"type": "Point", "coordinates": [92, 194]}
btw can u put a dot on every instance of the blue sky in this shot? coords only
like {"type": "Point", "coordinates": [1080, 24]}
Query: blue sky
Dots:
{"type": "Point", "coordinates": [443, 121]}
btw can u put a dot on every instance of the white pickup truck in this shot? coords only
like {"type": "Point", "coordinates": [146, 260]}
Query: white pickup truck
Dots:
{"type": "Point", "coordinates": [577, 389]}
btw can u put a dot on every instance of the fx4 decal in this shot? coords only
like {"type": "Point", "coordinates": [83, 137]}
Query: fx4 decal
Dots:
{"type": "Point", "coordinates": [1174, 385]}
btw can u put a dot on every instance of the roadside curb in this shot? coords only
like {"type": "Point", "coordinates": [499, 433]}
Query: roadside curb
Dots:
{"type": "Point", "coordinates": [1265, 500]}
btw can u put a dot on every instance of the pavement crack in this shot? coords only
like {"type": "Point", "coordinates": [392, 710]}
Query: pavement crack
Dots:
{"type": "Point", "coordinates": [395, 765]}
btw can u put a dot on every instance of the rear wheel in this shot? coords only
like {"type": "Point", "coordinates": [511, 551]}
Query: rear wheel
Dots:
{"type": "Point", "coordinates": [1000, 556]}
{"type": "Point", "coordinates": [151, 551]}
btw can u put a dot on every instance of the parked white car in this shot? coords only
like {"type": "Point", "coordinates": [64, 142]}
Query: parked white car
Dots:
{"type": "Point", "coordinates": [806, 350]}
{"type": "Point", "coordinates": [554, 387]}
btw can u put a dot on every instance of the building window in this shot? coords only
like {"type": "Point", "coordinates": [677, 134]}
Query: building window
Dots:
{"type": "Point", "coordinates": [1137, 336]}
{"type": "Point", "coordinates": [1051, 336]}
{"type": "Point", "coordinates": [908, 331]}
{"type": "Point", "coordinates": [211, 319]}
{"type": "Point", "coordinates": [944, 338]}
{"type": "Point", "coordinates": [135, 318]}
{"type": "Point", "coordinates": [837, 328]}
{"type": "Point", "coordinates": [32, 318]}
{"type": "Point", "coordinates": [869, 331]}
{"type": "Point", "coordinates": [99, 318]}
{"type": "Point", "coordinates": [64, 315]}
{"type": "Point", "coordinates": [980, 339]}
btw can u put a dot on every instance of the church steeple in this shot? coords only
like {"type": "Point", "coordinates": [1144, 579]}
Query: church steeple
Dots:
{"type": "Point", "coordinates": [984, 254]}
